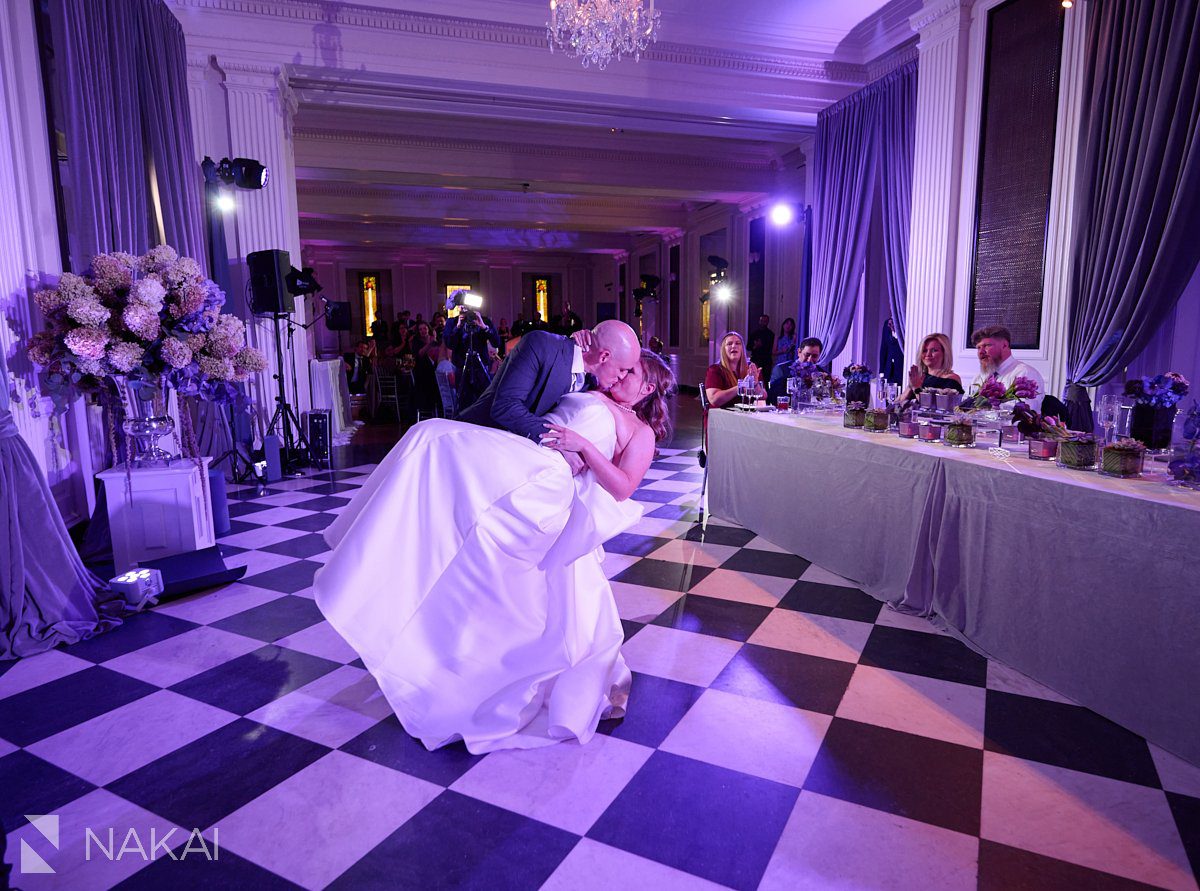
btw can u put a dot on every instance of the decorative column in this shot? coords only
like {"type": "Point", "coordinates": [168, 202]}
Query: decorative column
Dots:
{"type": "Point", "coordinates": [260, 110]}
{"type": "Point", "coordinates": [1060, 230]}
{"type": "Point", "coordinates": [937, 168]}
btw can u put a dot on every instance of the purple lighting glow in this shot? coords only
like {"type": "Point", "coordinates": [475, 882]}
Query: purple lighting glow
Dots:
{"type": "Point", "coordinates": [782, 214]}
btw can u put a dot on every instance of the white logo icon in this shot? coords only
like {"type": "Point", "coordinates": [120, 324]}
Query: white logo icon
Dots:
{"type": "Point", "coordinates": [31, 860]}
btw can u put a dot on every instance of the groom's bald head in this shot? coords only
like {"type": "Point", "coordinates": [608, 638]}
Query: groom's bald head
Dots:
{"type": "Point", "coordinates": [614, 354]}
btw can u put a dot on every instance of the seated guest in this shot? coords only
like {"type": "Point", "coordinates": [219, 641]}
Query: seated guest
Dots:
{"type": "Point", "coordinates": [721, 379]}
{"type": "Point", "coordinates": [934, 368]}
{"type": "Point", "coordinates": [810, 351]}
{"type": "Point", "coordinates": [993, 346]}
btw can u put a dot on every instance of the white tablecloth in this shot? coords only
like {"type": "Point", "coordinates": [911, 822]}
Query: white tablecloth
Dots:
{"type": "Point", "coordinates": [1088, 584]}
{"type": "Point", "coordinates": [329, 390]}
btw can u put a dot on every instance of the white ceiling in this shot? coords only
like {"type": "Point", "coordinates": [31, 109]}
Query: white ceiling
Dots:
{"type": "Point", "coordinates": [444, 122]}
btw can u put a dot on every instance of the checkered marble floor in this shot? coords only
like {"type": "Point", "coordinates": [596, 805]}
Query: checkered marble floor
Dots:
{"type": "Point", "coordinates": [784, 731]}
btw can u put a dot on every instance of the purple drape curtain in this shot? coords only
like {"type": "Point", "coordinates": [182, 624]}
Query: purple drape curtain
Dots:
{"type": "Point", "coordinates": [1139, 185]}
{"type": "Point", "coordinates": [864, 143]}
{"type": "Point", "coordinates": [95, 64]}
{"type": "Point", "coordinates": [845, 166]}
{"type": "Point", "coordinates": [897, 129]}
{"type": "Point", "coordinates": [120, 71]}
{"type": "Point", "coordinates": [802, 323]}
{"type": "Point", "coordinates": [166, 117]}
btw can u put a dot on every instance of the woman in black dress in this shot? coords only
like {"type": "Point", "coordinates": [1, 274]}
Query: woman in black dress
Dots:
{"type": "Point", "coordinates": [934, 370]}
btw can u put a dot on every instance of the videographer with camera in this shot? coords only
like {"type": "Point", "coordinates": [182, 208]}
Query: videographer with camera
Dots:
{"type": "Point", "coordinates": [468, 334]}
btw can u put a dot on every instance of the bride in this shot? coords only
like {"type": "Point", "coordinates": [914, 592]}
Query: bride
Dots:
{"type": "Point", "coordinates": [467, 570]}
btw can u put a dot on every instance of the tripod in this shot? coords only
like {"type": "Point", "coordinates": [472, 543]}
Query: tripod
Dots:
{"type": "Point", "coordinates": [295, 447]}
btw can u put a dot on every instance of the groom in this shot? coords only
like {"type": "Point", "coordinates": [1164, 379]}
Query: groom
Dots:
{"type": "Point", "coordinates": [543, 368]}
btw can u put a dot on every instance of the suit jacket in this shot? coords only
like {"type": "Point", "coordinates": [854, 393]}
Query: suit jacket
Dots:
{"type": "Point", "coordinates": [532, 379]}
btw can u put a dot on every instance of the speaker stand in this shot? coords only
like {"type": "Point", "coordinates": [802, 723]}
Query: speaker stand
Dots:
{"type": "Point", "coordinates": [295, 446]}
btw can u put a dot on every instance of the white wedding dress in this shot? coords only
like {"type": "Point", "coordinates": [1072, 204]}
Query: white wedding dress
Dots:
{"type": "Point", "coordinates": [467, 574]}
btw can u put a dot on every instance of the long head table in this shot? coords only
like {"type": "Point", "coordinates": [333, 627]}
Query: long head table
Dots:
{"type": "Point", "coordinates": [1088, 584]}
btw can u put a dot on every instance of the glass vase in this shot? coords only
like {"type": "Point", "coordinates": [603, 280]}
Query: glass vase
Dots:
{"type": "Point", "coordinates": [854, 417]}
{"type": "Point", "coordinates": [1122, 463]}
{"type": "Point", "coordinates": [959, 435]}
{"type": "Point", "coordinates": [1043, 449]}
{"type": "Point", "coordinates": [1152, 425]}
{"type": "Point", "coordinates": [875, 420]}
{"type": "Point", "coordinates": [1077, 454]}
{"type": "Point", "coordinates": [147, 421]}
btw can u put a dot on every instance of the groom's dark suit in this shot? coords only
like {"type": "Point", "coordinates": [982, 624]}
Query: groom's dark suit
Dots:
{"type": "Point", "coordinates": [532, 379]}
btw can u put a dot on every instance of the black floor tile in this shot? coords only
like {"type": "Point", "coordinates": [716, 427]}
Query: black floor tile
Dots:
{"type": "Point", "coordinates": [832, 600]}
{"type": "Point", "coordinates": [712, 615]}
{"type": "Point", "coordinates": [913, 776]}
{"type": "Point", "coordinates": [133, 633]}
{"type": "Point", "coordinates": [270, 621]}
{"type": "Point", "coordinates": [53, 707]}
{"type": "Point", "coordinates": [304, 546]}
{"type": "Point", "coordinates": [662, 574]}
{"type": "Point", "coordinates": [193, 870]}
{"type": "Point", "coordinates": [919, 652]}
{"type": "Point", "coordinates": [33, 786]}
{"type": "Point", "coordinates": [787, 566]}
{"type": "Point", "coordinates": [388, 744]}
{"type": "Point", "coordinates": [794, 679]}
{"type": "Point", "coordinates": [1066, 735]}
{"type": "Point", "coordinates": [1186, 811]}
{"type": "Point", "coordinates": [459, 842]}
{"type": "Point", "coordinates": [655, 706]}
{"type": "Point", "coordinates": [312, 523]}
{"type": "Point", "coordinates": [324, 502]}
{"type": "Point", "coordinates": [655, 496]}
{"type": "Point", "coordinates": [289, 578]}
{"type": "Point", "coordinates": [634, 545]}
{"type": "Point", "coordinates": [1002, 868]}
{"type": "Point", "coordinates": [720, 535]}
{"type": "Point", "coordinates": [709, 821]}
{"type": "Point", "coordinates": [249, 682]}
{"type": "Point", "coordinates": [208, 779]}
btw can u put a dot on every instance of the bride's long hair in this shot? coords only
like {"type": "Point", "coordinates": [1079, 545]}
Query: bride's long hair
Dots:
{"type": "Point", "coordinates": [653, 408]}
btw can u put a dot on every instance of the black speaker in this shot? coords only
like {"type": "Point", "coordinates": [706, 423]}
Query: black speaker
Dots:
{"type": "Point", "coordinates": [316, 429]}
{"type": "Point", "coordinates": [337, 315]}
{"type": "Point", "coordinates": [268, 283]}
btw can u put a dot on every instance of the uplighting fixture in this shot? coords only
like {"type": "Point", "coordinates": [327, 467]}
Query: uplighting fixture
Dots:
{"type": "Point", "coordinates": [598, 31]}
{"type": "Point", "coordinates": [225, 203]}
{"type": "Point", "coordinates": [245, 173]}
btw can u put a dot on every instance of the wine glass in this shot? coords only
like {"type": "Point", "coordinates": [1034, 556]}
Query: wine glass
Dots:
{"type": "Point", "coordinates": [1106, 414]}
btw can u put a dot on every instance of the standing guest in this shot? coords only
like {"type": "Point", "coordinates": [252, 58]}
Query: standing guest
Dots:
{"type": "Point", "coordinates": [358, 366]}
{"type": "Point", "coordinates": [934, 369]}
{"type": "Point", "coordinates": [657, 347]}
{"type": "Point", "coordinates": [571, 320]}
{"type": "Point", "coordinates": [379, 330]}
{"type": "Point", "coordinates": [891, 354]}
{"type": "Point", "coordinates": [993, 346]}
{"type": "Point", "coordinates": [721, 379]}
{"type": "Point", "coordinates": [419, 319]}
{"type": "Point", "coordinates": [785, 345]}
{"type": "Point", "coordinates": [504, 330]}
{"type": "Point", "coordinates": [762, 343]}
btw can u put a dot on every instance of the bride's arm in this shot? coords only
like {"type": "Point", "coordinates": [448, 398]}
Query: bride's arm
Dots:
{"type": "Point", "coordinates": [619, 479]}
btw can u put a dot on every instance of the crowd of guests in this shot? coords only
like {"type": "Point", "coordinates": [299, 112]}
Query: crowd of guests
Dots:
{"type": "Point", "coordinates": [934, 368]}
{"type": "Point", "coordinates": [448, 359]}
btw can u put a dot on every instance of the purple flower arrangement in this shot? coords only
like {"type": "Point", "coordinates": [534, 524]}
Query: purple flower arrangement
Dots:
{"type": "Point", "coordinates": [1186, 468]}
{"type": "Point", "coordinates": [151, 318]}
{"type": "Point", "coordinates": [857, 374]}
{"type": "Point", "coordinates": [1159, 391]}
{"type": "Point", "coordinates": [994, 392]}
{"type": "Point", "coordinates": [808, 373]}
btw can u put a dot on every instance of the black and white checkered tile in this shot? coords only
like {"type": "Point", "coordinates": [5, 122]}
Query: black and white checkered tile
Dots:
{"type": "Point", "coordinates": [784, 731]}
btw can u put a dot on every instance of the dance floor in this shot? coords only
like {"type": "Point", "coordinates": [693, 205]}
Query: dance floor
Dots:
{"type": "Point", "coordinates": [784, 731]}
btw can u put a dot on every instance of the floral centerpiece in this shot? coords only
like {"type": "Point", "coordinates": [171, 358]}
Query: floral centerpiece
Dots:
{"type": "Point", "coordinates": [154, 320]}
{"type": "Point", "coordinates": [960, 432]}
{"type": "Point", "coordinates": [1185, 469]}
{"type": "Point", "coordinates": [993, 392]}
{"type": "Point", "coordinates": [1123, 458]}
{"type": "Point", "coordinates": [855, 414]}
{"type": "Point", "coordinates": [1155, 400]}
{"type": "Point", "coordinates": [1042, 433]}
{"type": "Point", "coordinates": [806, 373]}
{"type": "Point", "coordinates": [876, 420]}
{"type": "Point", "coordinates": [858, 383]}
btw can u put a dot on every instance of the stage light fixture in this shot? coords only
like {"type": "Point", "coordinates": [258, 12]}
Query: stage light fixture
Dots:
{"type": "Point", "coordinates": [782, 214]}
{"type": "Point", "coordinates": [225, 203]}
{"type": "Point", "coordinates": [245, 173]}
{"type": "Point", "coordinates": [140, 587]}
{"type": "Point", "coordinates": [722, 291]}
{"type": "Point", "coordinates": [302, 281]}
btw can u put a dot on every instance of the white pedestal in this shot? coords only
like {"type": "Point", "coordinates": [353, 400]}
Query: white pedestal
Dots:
{"type": "Point", "coordinates": [168, 514]}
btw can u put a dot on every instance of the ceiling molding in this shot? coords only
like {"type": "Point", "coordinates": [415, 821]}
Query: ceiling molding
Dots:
{"type": "Point", "coordinates": [325, 189]}
{"type": "Point", "coordinates": [781, 65]}
{"type": "Point", "coordinates": [767, 165]}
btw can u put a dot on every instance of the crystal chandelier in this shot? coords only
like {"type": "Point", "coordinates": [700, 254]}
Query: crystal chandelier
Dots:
{"type": "Point", "coordinates": [598, 31]}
